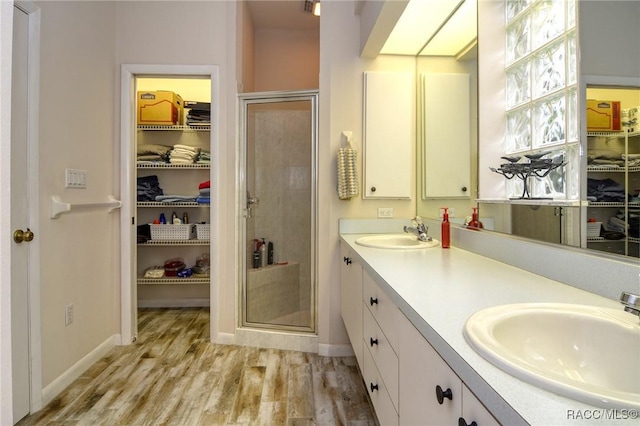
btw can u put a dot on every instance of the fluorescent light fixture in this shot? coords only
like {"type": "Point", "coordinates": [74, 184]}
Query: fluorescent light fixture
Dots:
{"type": "Point", "coordinates": [458, 33]}
{"type": "Point", "coordinates": [450, 25]}
{"type": "Point", "coordinates": [316, 8]}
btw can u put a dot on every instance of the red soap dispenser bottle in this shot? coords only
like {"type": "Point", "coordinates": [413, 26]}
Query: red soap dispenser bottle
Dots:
{"type": "Point", "coordinates": [475, 223]}
{"type": "Point", "coordinates": [445, 229]}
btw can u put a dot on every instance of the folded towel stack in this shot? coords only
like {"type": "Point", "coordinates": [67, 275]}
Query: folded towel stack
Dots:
{"type": "Point", "coordinates": [204, 196]}
{"type": "Point", "coordinates": [183, 154]}
{"type": "Point", "coordinates": [153, 153]}
{"type": "Point", "coordinates": [204, 157]}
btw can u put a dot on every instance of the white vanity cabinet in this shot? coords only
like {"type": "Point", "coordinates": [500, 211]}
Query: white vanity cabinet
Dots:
{"type": "Point", "coordinates": [351, 297]}
{"type": "Point", "coordinates": [432, 394]}
{"type": "Point", "coordinates": [401, 370]}
{"type": "Point", "coordinates": [380, 318]}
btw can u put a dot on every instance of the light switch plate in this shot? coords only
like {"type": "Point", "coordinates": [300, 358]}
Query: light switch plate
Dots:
{"type": "Point", "coordinates": [75, 178]}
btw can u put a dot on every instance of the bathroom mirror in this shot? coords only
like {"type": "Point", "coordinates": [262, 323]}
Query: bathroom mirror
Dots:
{"type": "Point", "coordinates": [560, 223]}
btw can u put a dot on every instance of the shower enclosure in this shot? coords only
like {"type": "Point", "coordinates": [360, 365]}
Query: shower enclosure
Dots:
{"type": "Point", "coordinates": [277, 175]}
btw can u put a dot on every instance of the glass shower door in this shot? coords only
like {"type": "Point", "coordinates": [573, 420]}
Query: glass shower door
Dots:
{"type": "Point", "coordinates": [277, 174]}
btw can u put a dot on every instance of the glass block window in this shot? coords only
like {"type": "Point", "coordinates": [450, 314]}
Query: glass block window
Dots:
{"type": "Point", "coordinates": [541, 94]}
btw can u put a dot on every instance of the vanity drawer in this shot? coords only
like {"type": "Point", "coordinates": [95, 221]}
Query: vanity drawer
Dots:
{"type": "Point", "coordinates": [382, 354]}
{"type": "Point", "coordinates": [385, 411]}
{"type": "Point", "coordinates": [382, 308]}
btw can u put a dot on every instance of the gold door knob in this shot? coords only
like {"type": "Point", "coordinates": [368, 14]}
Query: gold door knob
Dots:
{"type": "Point", "coordinates": [19, 235]}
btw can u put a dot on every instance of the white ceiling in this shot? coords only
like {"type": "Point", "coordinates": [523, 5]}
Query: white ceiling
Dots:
{"type": "Point", "coordinates": [282, 14]}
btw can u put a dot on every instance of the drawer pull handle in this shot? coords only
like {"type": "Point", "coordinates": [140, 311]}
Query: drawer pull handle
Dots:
{"type": "Point", "coordinates": [373, 341]}
{"type": "Point", "coordinates": [347, 260]}
{"type": "Point", "coordinates": [373, 301]}
{"type": "Point", "coordinates": [373, 387]}
{"type": "Point", "coordinates": [441, 395]}
{"type": "Point", "coordinates": [463, 422]}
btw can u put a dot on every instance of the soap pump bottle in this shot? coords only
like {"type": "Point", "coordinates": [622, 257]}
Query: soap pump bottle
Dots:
{"type": "Point", "coordinates": [263, 253]}
{"type": "Point", "coordinates": [445, 229]}
{"type": "Point", "coordinates": [475, 223]}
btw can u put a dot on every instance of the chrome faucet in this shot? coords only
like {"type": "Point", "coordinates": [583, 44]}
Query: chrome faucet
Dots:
{"type": "Point", "coordinates": [419, 229]}
{"type": "Point", "coordinates": [631, 302]}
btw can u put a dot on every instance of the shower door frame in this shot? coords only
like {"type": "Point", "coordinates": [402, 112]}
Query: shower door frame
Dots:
{"type": "Point", "coordinates": [244, 100]}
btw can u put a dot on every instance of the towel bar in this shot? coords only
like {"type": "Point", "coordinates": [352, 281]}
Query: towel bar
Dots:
{"type": "Point", "coordinates": [59, 207]}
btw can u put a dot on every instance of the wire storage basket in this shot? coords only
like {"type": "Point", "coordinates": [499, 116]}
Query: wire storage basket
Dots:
{"type": "Point", "coordinates": [203, 231]}
{"type": "Point", "coordinates": [173, 232]}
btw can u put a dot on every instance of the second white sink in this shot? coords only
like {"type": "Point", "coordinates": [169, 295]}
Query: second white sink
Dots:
{"type": "Point", "coordinates": [587, 353]}
{"type": "Point", "coordinates": [395, 241]}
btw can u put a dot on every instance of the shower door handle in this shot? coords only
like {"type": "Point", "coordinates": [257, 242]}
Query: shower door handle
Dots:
{"type": "Point", "coordinates": [250, 201]}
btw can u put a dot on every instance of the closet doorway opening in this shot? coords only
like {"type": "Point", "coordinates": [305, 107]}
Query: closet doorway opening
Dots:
{"type": "Point", "coordinates": [277, 221]}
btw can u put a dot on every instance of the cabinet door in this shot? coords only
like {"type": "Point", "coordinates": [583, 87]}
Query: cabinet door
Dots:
{"type": "Point", "coordinates": [421, 370]}
{"type": "Point", "coordinates": [447, 135]}
{"type": "Point", "coordinates": [388, 135]}
{"type": "Point", "coordinates": [474, 411]}
{"type": "Point", "coordinates": [351, 300]}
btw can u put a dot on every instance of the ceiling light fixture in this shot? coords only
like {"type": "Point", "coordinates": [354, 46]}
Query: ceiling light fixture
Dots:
{"type": "Point", "coordinates": [312, 6]}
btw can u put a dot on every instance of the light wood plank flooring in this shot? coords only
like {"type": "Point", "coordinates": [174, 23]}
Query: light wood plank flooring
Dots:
{"type": "Point", "coordinates": [173, 375]}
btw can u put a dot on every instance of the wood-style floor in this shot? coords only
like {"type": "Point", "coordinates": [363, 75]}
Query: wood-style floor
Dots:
{"type": "Point", "coordinates": [173, 375]}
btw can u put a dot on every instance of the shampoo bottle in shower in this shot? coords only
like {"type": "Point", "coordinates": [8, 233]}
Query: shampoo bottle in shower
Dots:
{"type": "Point", "coordinates": [270, 253]}
{"type": "Point", "coordinates": [445, 229]}
{"type": "Point", "coordinates": [263, 253]}
{"type": "Point", "coordinates": [256, 255]}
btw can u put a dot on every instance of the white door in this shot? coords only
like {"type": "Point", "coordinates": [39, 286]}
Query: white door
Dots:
{"type": "Point", "coordinates": [19, 217]}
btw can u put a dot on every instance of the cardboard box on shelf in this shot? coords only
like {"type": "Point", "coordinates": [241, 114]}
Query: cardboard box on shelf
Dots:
{"type": "Point", "coordinates": [603, 116]}
{"type": "Point", "coordinates": [161, 107]}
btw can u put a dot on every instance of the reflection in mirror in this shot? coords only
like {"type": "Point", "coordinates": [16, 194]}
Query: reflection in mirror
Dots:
{"type": "Point", "coordinates": [447, 84]}
{"type": "Point", "coordinates": [563, 220]}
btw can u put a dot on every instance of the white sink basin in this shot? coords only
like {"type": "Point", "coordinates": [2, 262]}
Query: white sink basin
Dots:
{"type": "Point", "coordinates": [395, 241]}
{"type": "Point", "coordinates": [587, 353]}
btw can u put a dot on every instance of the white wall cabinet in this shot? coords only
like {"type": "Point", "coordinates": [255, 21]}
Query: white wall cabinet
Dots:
{"type": "Point", "coordinates": [388, 134]}
{"type": "Point", "coordinates": [401, 370]}
{"type": "Point", "coordinates": [446, 121]}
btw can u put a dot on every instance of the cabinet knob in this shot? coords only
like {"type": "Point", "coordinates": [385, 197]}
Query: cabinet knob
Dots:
{"type": "Point", "coordinates": [441, 395]}
{"type": "Point", "coordinates": [373, 341]}
{"type": "Point", "coordinates": [464, 189]}
{"type": "Point", "coordinates": [463, 422]}
{"type": "Point", "coordinates": [373, 387]}
{"type": "Point", "coordinates": [373, 189]}
{"type": "Point", "coordinates": [347, 260]}
{"type": "Point", "coordinates": [373, 301]}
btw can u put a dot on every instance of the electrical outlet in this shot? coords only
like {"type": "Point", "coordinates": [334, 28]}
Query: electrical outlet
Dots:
{"type": "Point", "coordinates": [68, 314]}
{"type": "Point", "coordinates": [385, 212]}
{"type": "Point", "coordinates": [451, 210]}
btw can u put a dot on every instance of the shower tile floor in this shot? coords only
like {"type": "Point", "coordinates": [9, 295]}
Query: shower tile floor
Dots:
{"type": "Point", "coordinates": [173, 375]}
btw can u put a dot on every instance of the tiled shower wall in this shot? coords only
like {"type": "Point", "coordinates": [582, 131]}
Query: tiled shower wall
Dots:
{"type": "Point", "coordinates": [281, 179]}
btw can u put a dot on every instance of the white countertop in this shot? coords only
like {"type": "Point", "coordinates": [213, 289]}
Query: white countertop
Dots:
{"type": "Point", "coordinates": [438, 289]}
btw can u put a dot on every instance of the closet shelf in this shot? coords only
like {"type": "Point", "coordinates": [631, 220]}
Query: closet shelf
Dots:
{"type": "Point", "coordinates": [177, 127]}
{"type": "Point", "coordinates": [177, 204]}
{"type": "Point", "coordinates": [174, 280]}
{"type": "Point", "coordinates": [614, 134]}
{"type": "Point", "coordinates": [605, 204]}
{"type": "Point", "coordinates": [174, 243]}
{"type": "Point", "coordinates": [146, 165]}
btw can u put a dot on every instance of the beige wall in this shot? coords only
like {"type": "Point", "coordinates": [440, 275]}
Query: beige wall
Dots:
{"type": "Point", "coordinates": [341, 71]}
{"type": "Point", "coordinates": [285, 59]}
{"type": "Point", "coordinates": [78, 250]}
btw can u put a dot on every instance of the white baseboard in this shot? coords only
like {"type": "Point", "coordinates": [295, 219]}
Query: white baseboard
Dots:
{"type": "Point", "coordinates": [225, 338]}
{"type": "Point", "coordinates": [335, 350]}
{"type": "Point", "coordinates": [54, 388]}
{"type": "Point", "coordinates": [173, 303]}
